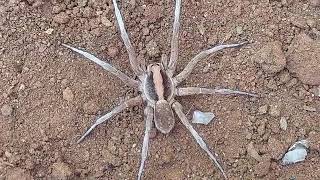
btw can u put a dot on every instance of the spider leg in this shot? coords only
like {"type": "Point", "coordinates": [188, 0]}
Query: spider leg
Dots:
{"type": "Point", "coordinates": [164, 61]}
{"type": "Point", "coordinates": [198, 90]}
{"type": "Point", "coordinates": [128, 103]}
{"type": "Point", "coordinates": [178, 109]}
{"type": "Point", "coordinates": [175, 39]}
{"type": "Point", "coordinates": [126, 79]}
{"type": "Point", "coordinates": [148, 116]}
{"type": "Point", "coordinates": [124, 35]}
{"type": "Point", "coordinates": [188, 69]}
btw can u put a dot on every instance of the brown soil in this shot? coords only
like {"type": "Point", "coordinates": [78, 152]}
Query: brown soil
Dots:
{"type": "Point", "coordinates": [49, 95]}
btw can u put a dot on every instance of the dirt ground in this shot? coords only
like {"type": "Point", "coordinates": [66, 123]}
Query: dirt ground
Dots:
{"type": "Point", "coordinates": [49, 95]}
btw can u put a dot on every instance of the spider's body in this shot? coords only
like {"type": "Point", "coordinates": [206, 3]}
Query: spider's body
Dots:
{"type": "Point", "coordinates": [158, 89]}
{"type": "Point", "coordinates": [158, 86]}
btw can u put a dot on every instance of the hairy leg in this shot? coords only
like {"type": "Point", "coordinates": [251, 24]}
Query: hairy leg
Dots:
{"type": "Point", "coordinates": [198, 90]}
{"type": "Point", "coordinates": [164, 61]}
{"type": "Point", "coordinates": [124, 35]}
{"type": "Point", "coordinates": [148, 116]}
{"type": "Point", "coordinates": [128, 103]}
{"type": "Point", "coordinates": [178, 109]}
{"type": "Point", "coordinates": [188, 69]}
{"type": "Point", "coordinates": [127, 80]}
{"type": "Point", "coordinates": [175, 39]}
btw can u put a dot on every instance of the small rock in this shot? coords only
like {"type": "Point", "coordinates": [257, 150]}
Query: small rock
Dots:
{"type": "Point", "coordinates": [113, 51]}
{"type": "Point", "coordinates": [309, 108]}
{"type": "Point", "coordinates": [68, 94]}
{"type": "Point", "coordinates": [261, 128]}
{"type": "Point", "coordinates": [201, 28]}
{"type": "Point", "coordinates": [262, 168]}
{"type": "Point", "coordinates": [283, 123]}
{"type": "Point", "coordinates": [82, 3]}
{"type": "Point", "coordinates": [284, 77]}
{"type": "Point", "coordinates": [49, 31]}
{"type": "Point", "coordinates": [239, 30]}
{"type": "Point", "coordinates": [202, 117]}
{"type": "Point", "coordinates": [300, 22]}
{"type": "Point", "coordinates": [303, 59]}
{"type": "Point", "coordinates": [274, 111]}
{"type": "Point", "coordinates": [6, 110]}
{"type": "Point", "coordinates": [315, 3]}
{"type": "Point", "coordinates": [105, 21]}
{"type": "Point", "coordinates": [263, 109]}
{"type": "Point", "coordinates": [61, 18]}
{"type": "Point", "coordinates": [252, 152]}
{"type": "Point", "coordinates": [152, 49]}
{"type": "Point", "coordinates": [18, 174]}
{"type": "Point", "coordinates": [271, 57]}
{"type": "Point", "coordinates": [296, 153]}
{"type": "Point", "coordinates": [315, 91]}
{"type": "Point", "coordinates": [275, 148]}
{"type": "Point", "coordinates": [60, 170]}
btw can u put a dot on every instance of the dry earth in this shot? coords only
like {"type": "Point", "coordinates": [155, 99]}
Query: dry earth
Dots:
{"type": "Point", "coordinates": [50, 95]}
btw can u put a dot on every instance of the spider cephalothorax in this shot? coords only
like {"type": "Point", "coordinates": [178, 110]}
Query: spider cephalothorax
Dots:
{"type": "Point", "coordinates": [158, 85]}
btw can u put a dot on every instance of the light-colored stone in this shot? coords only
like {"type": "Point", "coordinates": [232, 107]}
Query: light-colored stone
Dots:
{"type": "Point", "coordinates": [252, 152]}
{"type": "Point", "coordinates": [68, 94]}
{"type": "Point", "coordinates": [6, 110]}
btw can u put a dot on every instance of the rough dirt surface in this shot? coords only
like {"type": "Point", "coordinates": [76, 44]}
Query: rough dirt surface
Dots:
{"type": "Point", "coordinates": [49, 95]}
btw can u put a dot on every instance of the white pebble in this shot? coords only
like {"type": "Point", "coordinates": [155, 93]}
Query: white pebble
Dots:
{"type": "Point", "coordinates": [202, 117]}
{"type": "Point", "coordinates": [296, 153]}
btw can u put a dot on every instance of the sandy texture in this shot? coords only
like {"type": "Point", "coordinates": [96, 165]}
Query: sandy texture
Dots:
{"type": "Point", "coordinates": [49, 95]}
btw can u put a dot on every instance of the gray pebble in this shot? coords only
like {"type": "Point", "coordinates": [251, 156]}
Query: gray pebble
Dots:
{"type": "Point", "coordinates": [263, 109]}
{"type": "Point", "coordinates": [68, 94]}
{"type": "Point", "coordinates": [274, 111]}
{"type": "Point", "coordinates": [6, 110]}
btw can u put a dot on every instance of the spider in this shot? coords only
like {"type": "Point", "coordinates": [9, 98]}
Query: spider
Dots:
{"type": "Point", "coordinates": [158, 86]}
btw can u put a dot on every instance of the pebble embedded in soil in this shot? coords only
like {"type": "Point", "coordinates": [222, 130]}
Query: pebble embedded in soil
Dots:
{"type": "Point", "coordinates": [271, 57]}
{"type": "Point", "coordinates": [261, 128]}
{"type": "Point", "coordinates": [309, 108]}
{"type": "Point", "coordinates": [274, 111]}
{"type": "Point", "coordinates": [105, 21]}
{"type": "Point", "coordinates": [6, 110]}
{"type": "Point", "coordinates": [60, 170]}
{"type": "Point", "coordinates": [61, 18]}
{"type": "Point", "coordinates": [263, 109]}
{"type": "Point", "coordinates": [303, 59]}
{"type": "Point", "coordinates": [283, 123]}
{"type": "Point", "coordinates": [68, 94]}
{"type": "Point", "coordinates": [253, 152]}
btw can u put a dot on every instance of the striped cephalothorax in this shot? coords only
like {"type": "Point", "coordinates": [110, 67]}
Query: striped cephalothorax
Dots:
{"type": "Point", "coordinates": [158, 86]}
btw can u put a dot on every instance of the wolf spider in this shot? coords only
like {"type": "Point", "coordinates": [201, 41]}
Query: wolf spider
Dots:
{"type": "Point", "coordinates": [157, 86]}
